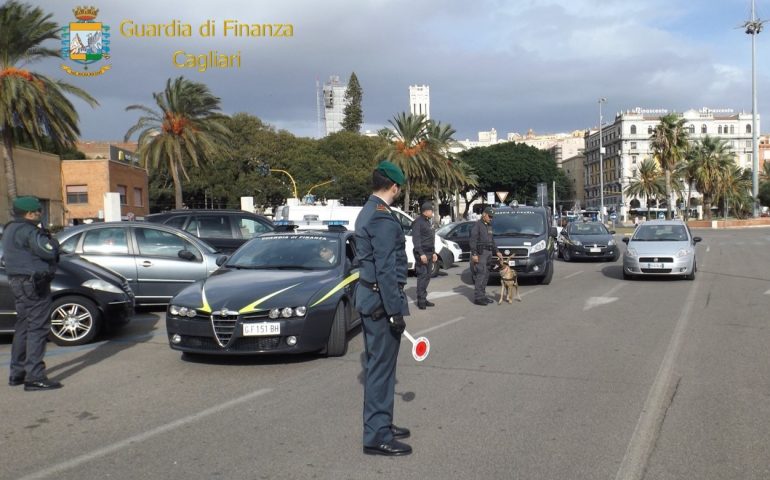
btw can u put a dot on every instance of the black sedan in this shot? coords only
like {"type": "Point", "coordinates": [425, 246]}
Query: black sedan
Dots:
{"type": "Point", "coordinates": [588, 240]}
{"type": "Point", "coordinates": [281, 292]}
{"type": "Point", "coordinates": [86, 298]}
{"type": "Point", "coordinates": [460, 233]}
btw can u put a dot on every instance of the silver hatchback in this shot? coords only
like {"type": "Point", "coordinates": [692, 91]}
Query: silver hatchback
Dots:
{"type": "Point", "coordinates": [158, 260]}
{"type": "Point", "coordinates": [660, 247]}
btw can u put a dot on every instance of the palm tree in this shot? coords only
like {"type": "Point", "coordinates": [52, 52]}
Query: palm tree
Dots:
{"type": "Point", "coordinates": [647, 183]}
{"type": "Point", "coordinates": [735, 190]}
{"type": "Point", "coordinates": [764, 173]}
{"type": "Point", "coordinates": [711, 157]}
{"type": "Point", "coordinates": [445, 172]}
{"type": "Point", "coordinates": [669, 145]}
{"type": "Point", "coordinates": [686, 171]}
{"type": "Point", "coordinates": [32, 105]}
{"type": "Point", "coordinates": [408, 148]}
{"type": "Point", "coordinates": [185, 128]}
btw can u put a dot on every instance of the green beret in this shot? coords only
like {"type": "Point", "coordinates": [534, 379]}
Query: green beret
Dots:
{"type": "Point", "coordinates": [489, 211]}
{"type": "Point", "coordinates": [392, 171]}
{"type": "Point", "coordinates": [27, 204]}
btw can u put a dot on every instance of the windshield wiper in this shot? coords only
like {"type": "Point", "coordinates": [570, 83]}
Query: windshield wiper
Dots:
{"type": "Point", "coordinates": [517, 234]}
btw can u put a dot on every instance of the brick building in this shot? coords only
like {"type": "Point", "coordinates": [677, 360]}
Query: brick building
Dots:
{"type": "Point", "coordinates": [37, 174]}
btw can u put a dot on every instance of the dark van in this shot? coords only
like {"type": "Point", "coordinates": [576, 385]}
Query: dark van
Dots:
{"type": "Point", "coordinates": [526, 238]}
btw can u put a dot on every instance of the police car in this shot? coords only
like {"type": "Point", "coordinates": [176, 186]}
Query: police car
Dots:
{"type": "Point", "coordinates": [285, 291]}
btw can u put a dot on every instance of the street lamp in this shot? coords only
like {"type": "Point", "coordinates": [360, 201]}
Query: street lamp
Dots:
{"type": "Point", "coordinates": [753, 27]}
{"type": "Point", "coordinates": [293, 183]}
{"type": "Point", "coordinates": [601, 161]}
{"type": "Point", "coordinates": [318, 185]}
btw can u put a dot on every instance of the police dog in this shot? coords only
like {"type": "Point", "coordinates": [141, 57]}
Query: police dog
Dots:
{"type": "Point", "coordinates": [508, 282]}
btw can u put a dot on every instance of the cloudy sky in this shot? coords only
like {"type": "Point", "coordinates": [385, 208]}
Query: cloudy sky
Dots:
{"type": "Point", "coordinates": [511, 65]}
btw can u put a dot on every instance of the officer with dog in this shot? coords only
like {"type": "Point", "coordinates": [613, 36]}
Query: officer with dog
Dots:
{"type": "Point", "coordinates": [31, 255]}
{"type": "Point", "coordinates": [382, 304]}
{"type": "Point", "coordinates": [482, 245]}
{"type": "Point", "coordinates": [424, 239]}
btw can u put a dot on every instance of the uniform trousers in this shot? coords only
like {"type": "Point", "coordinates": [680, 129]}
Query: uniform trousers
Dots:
{"type": "Point", "coordinates": [381, 347]}
{"type": "Point", "coordinates": [480, 273]}
{"type": "Point", "coordinates": [33, 322]}
{"type": "Point", "coordinates": [423, 272]}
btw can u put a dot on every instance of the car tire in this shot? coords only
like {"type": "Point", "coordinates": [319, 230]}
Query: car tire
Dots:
{"type": "Point", "coordinates": [691, 276]}
{"type": "Point", "coordinates": [337, 345]}
{"type": "Point", "coordinates": [74, 321]}
{"type": "Point", "coordinates": [546, 279]}
{"type": "Point", "coordinates": [565, 255]}
{"type": "Point", "coordinates": [615, 258]}
{"type": "Point", "coordinates": [627, 276]}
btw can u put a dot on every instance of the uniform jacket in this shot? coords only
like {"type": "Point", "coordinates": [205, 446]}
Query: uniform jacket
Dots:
{"type": "Point", "coordinates": [28, 250]}
{"type": "Point", "coordinates": [381, 254]}
{"type": "Point", "coordinates": [481, 238]}
{"type": "Point", "coordinates": [423, 237]}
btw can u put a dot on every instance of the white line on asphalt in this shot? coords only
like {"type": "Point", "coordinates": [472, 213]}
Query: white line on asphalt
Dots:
{"type": "Point", "coordinates": [46, 472]}
{"type": "Point", "coordinates": [436, 327]}
{"type": "Point", "coordinates": [767, 292]}
{"type": "Point", "coordinates": [654, 411]}
{"type": "Point", "coordinates": [595, 301]}
{"type": "Point", "coordinates": [573, 274]}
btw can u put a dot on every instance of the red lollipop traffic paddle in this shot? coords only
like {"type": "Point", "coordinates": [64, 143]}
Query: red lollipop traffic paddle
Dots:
{"type": "Point", "coordinates": [420, 347]}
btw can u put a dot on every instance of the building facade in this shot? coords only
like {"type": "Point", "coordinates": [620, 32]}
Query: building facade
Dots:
{"type": "Point", "coordinates": [37, 174]}
{"type": "Point", "coordinates": [626, 144]}
{"type": "Point", "coordinates": [573, 169]}
{"type": "Point", "coordinates": [419, 100]}
{"type": "Point", "coordinates": [333, 104]}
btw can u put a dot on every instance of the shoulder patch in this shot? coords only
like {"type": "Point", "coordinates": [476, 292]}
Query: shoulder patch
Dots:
{"type": "Point", "coordinates": [383, 208]}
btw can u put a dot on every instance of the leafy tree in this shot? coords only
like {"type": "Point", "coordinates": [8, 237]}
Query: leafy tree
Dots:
{"type": "Point", "coordinates": [407, 148]}
{"type": "Point", "coordinates": [354, 115]}
{"type": "Point", "coordinates": [735, 191]}
{"type": "Point", "coordinates": [711, 157]}
{"type": "Point", "coordinates": [30, 103]}
{"type": "Point", "coordinates": [647, 182]}
{"type": "Point", "coordinates": [764, 193]}
{"type": "Point", "coordinates": [186, 128]}
{"type": "Point", "coordinates": [669, 145]}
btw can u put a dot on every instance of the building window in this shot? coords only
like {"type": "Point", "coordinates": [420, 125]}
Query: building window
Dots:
{"type": "Point", "coordinates": [633, 129]}
{"type": "Point", "coordinates": [748, 128]}
{"type": "Point", "coordinates": [691, 128]}
{"type": "Point", "coordinates": [138, 197]}
{"type": "Point", "coordinates": [77, 194]}
{"type": "Point", "coordinates": [122, 192]}
{"type": "Point", "coordinates": [633, 160]}
{"type": "Point", "coordinates": [703, 128]}
{"type": "Point", "coordinates": [732, 128]}
{"type": "Point", "coordinates": [748, 144]}
{"type": "Point", "coordinates": [719, 130]}
{"type": "Point", "coordinates": [633, 145]}
{"type": "Point", "coordinates": [649, 129]}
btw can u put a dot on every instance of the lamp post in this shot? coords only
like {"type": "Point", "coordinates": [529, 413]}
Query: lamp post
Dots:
{"type": "Point", "coordinates": [753, 27]}
{"type": "Point", "coordinates": [293, 183]}
{"type": "Point", "coordinates": [601, 162]}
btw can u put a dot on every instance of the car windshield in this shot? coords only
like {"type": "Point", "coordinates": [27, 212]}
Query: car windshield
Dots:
{"type": "Point", "coordinates": [443, 231]}
{"type": "Point", "coordinates": [294, 251]}
{"type": "Point", "coordinates": [518, 223]}
{"type": "Point", "coordinates": [588, 229]}
{"type": "Point", "coordinates": [660, 233]}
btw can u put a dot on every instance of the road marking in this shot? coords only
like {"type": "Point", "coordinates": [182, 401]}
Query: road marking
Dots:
{"type": "Point", "coordinates": [592, 302]}
{"type": "Point", "coordinates": [440, 325]}
{"type": "Point", "coordinates": [55, 469]}
{"type": "Point", "coordinates": [659, 398]}
{"type": "Point", "coordinates": [767, 292]}
{"type": "Point", "coordinates": [433, 295]}
{"type": "Point", "coordinates": [573, 274]}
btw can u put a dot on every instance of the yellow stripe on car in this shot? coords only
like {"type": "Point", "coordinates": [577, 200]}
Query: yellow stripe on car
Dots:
{"type": "Point", "coordinates": [350, 278]}
{"type": "Point", "coordinates": [205, 307]}
{"type": "Point", "coordinates": [251, 307]}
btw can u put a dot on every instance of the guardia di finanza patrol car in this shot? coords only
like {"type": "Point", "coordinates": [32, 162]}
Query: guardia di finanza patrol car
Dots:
{"type": "Point", "coordinates": [281, 292]}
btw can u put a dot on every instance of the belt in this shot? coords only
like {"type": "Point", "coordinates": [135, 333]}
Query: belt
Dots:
{"type": "Point", "coordinates": [374, 286]}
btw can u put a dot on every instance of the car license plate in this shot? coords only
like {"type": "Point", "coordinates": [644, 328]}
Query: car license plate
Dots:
{"type": "Point", "coordinates": [511, 263]}
{"type": "Point", "coordinates": [595, 250]}
{"type": "Point", "coordinates": [655, 265]}
{"type": "Point", "coordinates": [264, 328]}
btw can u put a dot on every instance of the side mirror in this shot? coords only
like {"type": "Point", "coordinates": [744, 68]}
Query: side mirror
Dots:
{"type": "Point", "coordinates": [625, 240]}
{"type": "Point", "coordinates": [186, 255]}
{"type": "Point", "coordinates": [554, 232]}
{"type": "Point", "coordinates": [612, 232]}
{"type": "Point", "coordinates": [696, 239]}
{"type": "Point", "coordinates": [221, 260]}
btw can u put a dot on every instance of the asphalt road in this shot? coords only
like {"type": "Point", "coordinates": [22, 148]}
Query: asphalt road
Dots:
{"type": "Point", "coordinates": [591, 377]}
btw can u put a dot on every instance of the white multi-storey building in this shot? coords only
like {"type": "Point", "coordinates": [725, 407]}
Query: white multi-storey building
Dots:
{"type": "Point", "coordinates": [333, 105]}
{"type": "Point", "coordinates": [419, 100]}
{"type": "Point", "coordinates": [626, 144]}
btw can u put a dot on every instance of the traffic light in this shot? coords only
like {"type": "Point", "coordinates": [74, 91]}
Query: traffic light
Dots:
{"type": "Point", "coordinates": [263, 169]}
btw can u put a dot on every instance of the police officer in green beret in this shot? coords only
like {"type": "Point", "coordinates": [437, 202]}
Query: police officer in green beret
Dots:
{"type": "Point", "coordinates": [380, 300]}
{"type": "Point", "coordinates": [31, 255]}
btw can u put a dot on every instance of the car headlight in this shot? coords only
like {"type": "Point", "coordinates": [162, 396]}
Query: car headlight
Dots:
{"type": "Point", "coordinates": [173, 310]}
{"type": "Point", "coordinates": [274, 313]}
{"type": "Point", "coordinates": [300, 311]}
{"type": "Point", "coordinates": [182, 311]}
{"type": "Point", "coordinates": [612, 242]}
{"type": "Point", "coordinates": [537, 247]}
{"type": "Point", "coordinates": [577, 243]}
{"type": "Point", "coordinates": [99, 284]}
{"type": "Point", "coordinates": [287, 312]}
{"type": "Point", "coordinates": [444, 242]}
{"type": "Point", "coordinates": [683, 252]}
{"type": "Point", "coordinates": [631, 252]}
{"type": "Point", "coordinates": [454, 245]}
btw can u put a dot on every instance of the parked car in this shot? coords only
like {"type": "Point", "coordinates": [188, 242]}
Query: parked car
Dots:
{"type": "Point", "coordinates": [225, 230]}
{"type": "Point", "coordinates": [157, 260]}
{"type": "Point", "coordinates": [587, 240]}
{"type": "Point", "coordinates": [86, 298]}
{"type": "Point", "coordinates": [661, 247]}
{"type": "Point", "coordinates": [459, 233]}
{"type": "Point", "coordinates": [523, 235]}
{"type": "Point", "coordinates": [282, 292]}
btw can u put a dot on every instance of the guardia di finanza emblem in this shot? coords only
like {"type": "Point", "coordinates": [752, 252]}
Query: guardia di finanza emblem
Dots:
{"type": "Point", "coordinates": [85, 42]}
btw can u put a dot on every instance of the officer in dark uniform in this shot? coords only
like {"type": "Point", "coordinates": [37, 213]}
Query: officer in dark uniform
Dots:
{"type": "Point", "coordinates": [482, 245]}
{"type": "Point", "coordinates": [30, 255]}
{"type": "Point", "coordinates": [424, 240]}
{"type": "Point", "coordinates": [380, 299]}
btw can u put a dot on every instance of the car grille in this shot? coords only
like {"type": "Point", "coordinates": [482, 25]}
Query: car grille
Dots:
{"type": "Point", "coordinates": [516, 252]}
{"type": "Point", "coordinates": [246, 344]}
{"type": "Point", "coordinates": [223, 324]}
{"type": "Point", "coordinates": [656, 260]}
{"type": "Point", "coordinates": [656, 270]}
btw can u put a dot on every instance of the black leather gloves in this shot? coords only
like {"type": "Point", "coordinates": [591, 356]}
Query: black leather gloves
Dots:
{"type": "Point", "coordinates": [397, 324]}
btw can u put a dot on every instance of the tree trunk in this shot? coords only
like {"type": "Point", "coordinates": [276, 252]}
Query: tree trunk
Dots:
{"type": "Point", "coordinates": [436, 207]}
{"type": "Point", "coordinates": [669, 211]}
{"type": "Point", "coordinates": [178, 204]}
{"type": "Point", "coordinates": [10, 168]}
{"type": "Point", "coordinates": [707, 207]}
{"type": "Point", "coordinates": [407, 191]}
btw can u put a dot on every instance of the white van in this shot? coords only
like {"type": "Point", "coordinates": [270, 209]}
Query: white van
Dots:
{"type": "Point", "coordinates": [313, 216]}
